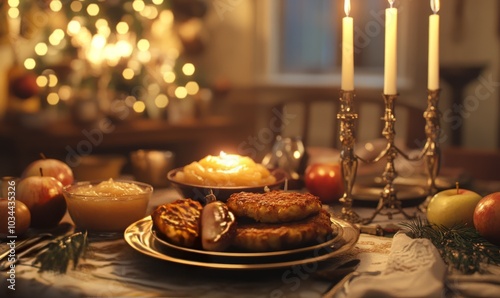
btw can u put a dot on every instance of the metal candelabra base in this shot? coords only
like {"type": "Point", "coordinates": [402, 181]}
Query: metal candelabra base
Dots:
{"type": "Point", "coordinates": [389, 204]}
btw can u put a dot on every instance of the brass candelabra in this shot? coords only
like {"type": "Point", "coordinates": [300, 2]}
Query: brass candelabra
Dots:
{"type": "Point", "coordinates": [349, 161]}
{"type": "Point", "coordinates": [388, 204]}
{"type": "Point", "coordinates": [432, 151]}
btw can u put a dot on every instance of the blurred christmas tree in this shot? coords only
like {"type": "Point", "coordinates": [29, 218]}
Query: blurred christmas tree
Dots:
{"type": "Point", "coordinates": [136, 52]}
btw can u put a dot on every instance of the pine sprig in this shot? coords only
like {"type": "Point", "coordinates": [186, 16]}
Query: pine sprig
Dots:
{"type": "Point", "coordinates": [461, 246]}
{"type": "Point", "coordinates": [59, 254]}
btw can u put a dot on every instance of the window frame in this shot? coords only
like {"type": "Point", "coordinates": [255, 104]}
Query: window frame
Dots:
{"type": "Point", "coordinates": [267, 51]}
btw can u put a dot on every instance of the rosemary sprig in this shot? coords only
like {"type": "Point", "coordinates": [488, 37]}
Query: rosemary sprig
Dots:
{"type": "Point", "coordinates": [461, 246]}
{"type": "Point", "coordinates": [59, 254]}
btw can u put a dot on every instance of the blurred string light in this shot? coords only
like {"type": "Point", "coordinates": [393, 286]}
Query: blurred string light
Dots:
{"type": "Point", "coordinates": [13, 12]}
{"type": "Point", "coordinates": [128, 73]}
{"type": "Point", "coordinates": [161, 101]}
{"type": "Point", "coordinates": [138, 5]}
{"type": "Point", "coordinates": [53, 80]}
{"type": "Point", "coordinates": [188, 69]}
{"type": "Point", "coordinates": [143, 45]}
{"type": "Point", "coordinates": [169, 77]}
{"type": "Point", "coordinates": [41, 49]}
{"type": "Point", "coordinates": [13, 3]}
{"type": "Point", "coordinates": [55, 5]}
{"type": "Point", "coordinates": [73, 27]}
{"type": "Point", "coordinates": [181, 92]}
{"type": "Point", "coordinates": [29, 63]}
{"type": "Point", "coordinates": [109, 40]}
{"type": "Point", "coordinates": [76, 6]}
{"type": "Point", "coordinates": [122, 27]}
{"type": "Point", "coordinates": [93, 9]}
{"type": "Point", "coordinates": [42, 81]}
{"type": "Point", "coordinates": [139, 106]}
{"type": "Point", "coordinates": [192, 88]}
{"type": "Point", "coordinates": [52, 98]}
{"type": "Point", "coordinates": [65, 92]}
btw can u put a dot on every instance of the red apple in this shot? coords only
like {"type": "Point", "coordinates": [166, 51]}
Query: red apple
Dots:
{"type": "Point", "coordinates": [15, 217]}
{"type": "Point", "coordinates": [325, 181]}
{"type": "Point", "coordinates": [452, 207]}
{"type": "Point", "coordinates": [50, 168]}
{"type": "Point", "coordinates": [23, 85]}
{"type": "Point", "coordinates": [44, 198]}
{"type": "Point", "coordinates": [487, 218]}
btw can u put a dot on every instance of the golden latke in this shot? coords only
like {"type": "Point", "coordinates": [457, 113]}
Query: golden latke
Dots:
{"type": "Point", "coordinates": [179, 222]}
{"type": "Point", "coordinates": [274, 206]}
{"type": "Point", "coordinates": [260, 237]}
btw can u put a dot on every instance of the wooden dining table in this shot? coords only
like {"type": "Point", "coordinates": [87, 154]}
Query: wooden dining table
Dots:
{"type": "Point", "coordinates": [113, 267]}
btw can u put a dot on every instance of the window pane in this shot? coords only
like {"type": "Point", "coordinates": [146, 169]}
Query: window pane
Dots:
{"type": "Point", "coordinates": [311, 35]}
{"type": "Point", "coordinates": [308, 36]}
{"type": "Point", "coordinates": [369, 33]}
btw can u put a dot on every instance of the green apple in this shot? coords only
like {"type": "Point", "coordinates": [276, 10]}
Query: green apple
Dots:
{"type": "Point", "coordinates": [453, 207]}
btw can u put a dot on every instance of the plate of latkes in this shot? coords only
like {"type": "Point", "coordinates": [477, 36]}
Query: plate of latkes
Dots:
{"type": "Point", "coordinates": [144, 237]}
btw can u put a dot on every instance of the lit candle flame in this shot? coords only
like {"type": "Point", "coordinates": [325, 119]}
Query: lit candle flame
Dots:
{"type": "Point", "coordinates": [435, 6]}
{"type": "Point", "coordinates": [347, 7]}
{"type": "Point", "coordinates": [391, 2]}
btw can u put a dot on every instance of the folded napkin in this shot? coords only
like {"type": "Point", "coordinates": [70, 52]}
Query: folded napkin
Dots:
{"type": "Point", "coordinates": [414, 269]}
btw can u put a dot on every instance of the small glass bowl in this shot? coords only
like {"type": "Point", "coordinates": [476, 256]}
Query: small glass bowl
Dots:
{"type": "Point", "coordinates": [107, 206]}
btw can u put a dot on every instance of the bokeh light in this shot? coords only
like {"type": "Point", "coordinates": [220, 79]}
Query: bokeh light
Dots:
{"type": "Point", "coordinates": [93, 9]}
{"type": "Point", "coordinates": [53, 80]}
{"type": "Point", "coordinates": [122, 27]}
{"type": "Point", "coordinates": [76, 6]}
{"type": "Point", "coordinates": [143, 45]}
{"type": "Point", "coordinates": [65, 92]}
{"type": "Point", "coordinates": [169, 77]}
{"type": "Point", "coordinates": [55, 5]}
{"type": "Point", "coordinates": [139, 106]}
{"type": "Point", "coordinates": [74, 27]}
{"type": "Point", "coordinates": [13, 3]}
{"type": "Point", "coordinates": [188, 69]}
{"type": "Point", "coordinates": [161, 101]}
{"type": "Point", "coordinates": [192, 88]}
{"type": "Point", "coordinates": [138, 5]}
{"type": "Point", "coordinates": [52, 98]}
{"type": "Point", "coordinates": [41, 49]}
{"type": "Point", "coordinates": [181, 92]}
{"type": "Point", "coordinates": [13, 12]}
{"type": "Point", "coordinates": [128, 73]}
{"type": "Point", "coordinates": [29, 63]}
{"type": "Point", "coordinates": [42, 81]}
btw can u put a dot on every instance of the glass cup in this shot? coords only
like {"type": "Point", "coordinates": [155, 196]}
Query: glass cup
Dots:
{"type": "Point", "coordinates": [152, 166]}
{"type": "Point", "coordinates": [288, 154]}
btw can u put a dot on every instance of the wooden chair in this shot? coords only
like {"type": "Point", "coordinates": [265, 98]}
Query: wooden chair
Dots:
{"type": "Point", "coordinates": [314, 119]}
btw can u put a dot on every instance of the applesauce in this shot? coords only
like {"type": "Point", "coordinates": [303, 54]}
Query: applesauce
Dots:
{"type": "Point", "coordinates": [225, 170]}
{"type": "Point", "coordinates": [107, 206]}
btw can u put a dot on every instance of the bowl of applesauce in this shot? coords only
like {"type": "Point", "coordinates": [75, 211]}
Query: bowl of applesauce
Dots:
{"type": "Point", "coordinates": [107, 206]}
{"type": "Point", "coordinates": [224, 175]}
